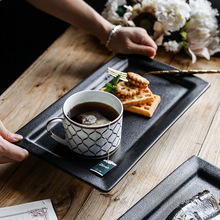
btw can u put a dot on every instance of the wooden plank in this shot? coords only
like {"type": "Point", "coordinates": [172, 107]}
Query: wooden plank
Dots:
{"type": "Point", "coordinates": [211, 147]}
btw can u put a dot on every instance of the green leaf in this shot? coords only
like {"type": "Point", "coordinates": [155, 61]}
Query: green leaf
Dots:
{"type": "Point", "coordinates": [185, 44]}
{"type": "Point", "coordinates": [116, 79]}
{"type": "Point", "coordinates": [121, 11]}
{"type": "Point", "coordinates": [184, 35]}
{"type": "Point", "coordinates": [109, 85]}
{"type": "Point", "coordinates": [110, 88]}
{"type": "Point", "coordinates": [114, 89]}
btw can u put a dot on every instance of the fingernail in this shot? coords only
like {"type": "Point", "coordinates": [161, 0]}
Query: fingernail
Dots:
{"type": "Point", "coordinates": [17, 137]}
{"type": "Point", "coordinates": [26, 153]}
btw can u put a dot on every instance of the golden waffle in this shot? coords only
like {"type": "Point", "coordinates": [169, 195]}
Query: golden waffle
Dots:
{"type": "Point", "coordinates": [146, 109]}
{"type": "Point", "coordinates": [143, 96]}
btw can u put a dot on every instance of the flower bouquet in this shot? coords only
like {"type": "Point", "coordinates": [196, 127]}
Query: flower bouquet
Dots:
{"type": "Point", "coordinates": [190, 25]}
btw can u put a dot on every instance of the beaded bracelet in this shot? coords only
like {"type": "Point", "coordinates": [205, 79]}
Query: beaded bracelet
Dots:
{"type": "Point", "coordinates": [111, 34]}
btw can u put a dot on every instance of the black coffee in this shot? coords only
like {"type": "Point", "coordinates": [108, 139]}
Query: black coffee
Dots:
{"type": "Point", "coordinates": [92, 113]}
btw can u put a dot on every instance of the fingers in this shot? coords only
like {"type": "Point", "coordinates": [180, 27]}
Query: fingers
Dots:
{"type": "Point", "coordinates": [134, 40]}
{"type": "Point", "coordinates": [11, 153]}
{"type": "Point", "coordinates": [142, 43]}
{"type": "Point", "coordinates": [143, 50]}
{"type": "Point", "coordinates": [7, 135]}
{"type": "Point", "coordinates": [145, 39]}
{"type": "Point", "coordinates": [6, 160]}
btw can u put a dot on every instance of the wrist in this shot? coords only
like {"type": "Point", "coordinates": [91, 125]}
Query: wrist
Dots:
{"type": "Point", "coordinates": [110, 35]}
{"type": "Point", "coordinates": [104, 33]}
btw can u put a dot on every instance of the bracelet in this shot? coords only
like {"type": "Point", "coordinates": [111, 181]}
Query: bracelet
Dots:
{"type": "Point", "coordinates": [111, 34]}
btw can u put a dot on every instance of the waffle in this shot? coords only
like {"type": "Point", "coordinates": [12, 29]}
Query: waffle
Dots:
{"type": "Point", "coordinates": [136, 96]}
{"type": "Point", "coordinates": [144, 96]}
{"type": "Point", "coordinates": [146, 109]}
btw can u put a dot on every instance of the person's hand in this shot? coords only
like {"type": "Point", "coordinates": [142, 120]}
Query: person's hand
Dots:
{"type": "Point", "coordinates": [133, 40]}
{"type": "Point", "coordinates": [10, 153]}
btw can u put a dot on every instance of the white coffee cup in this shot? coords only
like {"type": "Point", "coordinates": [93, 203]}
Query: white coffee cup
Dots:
{"type": "Point", "coordinates": [89, 140]}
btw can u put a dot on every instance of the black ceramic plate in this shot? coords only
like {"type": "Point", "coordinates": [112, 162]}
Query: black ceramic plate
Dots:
{"type": "Point", "coordinates": [192, 177]}
{"type": "Point", "coordinates": [139, 133]}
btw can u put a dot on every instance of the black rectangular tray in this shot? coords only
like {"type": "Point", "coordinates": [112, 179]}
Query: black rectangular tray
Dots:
{"type": "Point", "coordinates": [139, 133]}
{"type": "Point", "coordinates": [193, 176]}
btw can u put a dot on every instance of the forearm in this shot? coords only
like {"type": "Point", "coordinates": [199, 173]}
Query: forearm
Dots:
{"type": "Point", "coordinates": [126, 40]}
{"type": "Point", "coordinates": [78, 14]}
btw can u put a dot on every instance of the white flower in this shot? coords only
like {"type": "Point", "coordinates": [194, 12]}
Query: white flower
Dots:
{"type": "Point", "coordinates": [148, 3]}
{"type": "Point", "coordinates": [199, 40]}
{"type": "Point", "coordinates": [202, 42]}
{"type": "Point", "coordinates": [126, 17]}
{"type": "Point", "coordinates": [145, 3]}
{"type": "Point", "coordinates": [214, 45]}
{"type": "Point", "coordinates": [172, 46]}
{"type": "Point", "coordinates": [173, 14]}
{"type": "Point", "coordinates": [137, 6]}
{"type": "Point", "coordinates": [203, 14]}
{"type": "Point", "coordinates": [201, 30]}
{"type": "Point", "coordinates": [194, 20]}
{"type": "Point", "coordinates": [110, 13]}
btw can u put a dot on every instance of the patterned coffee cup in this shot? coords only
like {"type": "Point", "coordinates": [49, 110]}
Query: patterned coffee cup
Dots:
{"type": "Point", "coordinates": [90, 140]}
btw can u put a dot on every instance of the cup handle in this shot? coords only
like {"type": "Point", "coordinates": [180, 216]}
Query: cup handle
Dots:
{"type": "Point", "coordinates": [54, 136]}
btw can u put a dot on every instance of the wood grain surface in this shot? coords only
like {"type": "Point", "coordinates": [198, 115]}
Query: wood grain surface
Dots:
{"type": "Point", "coordinates": [72, 58]}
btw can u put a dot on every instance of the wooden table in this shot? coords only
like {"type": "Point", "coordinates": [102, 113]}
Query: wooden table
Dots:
{"type": "Point", "coordinates": [72, 58]}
